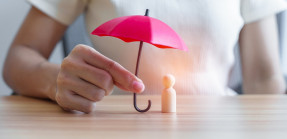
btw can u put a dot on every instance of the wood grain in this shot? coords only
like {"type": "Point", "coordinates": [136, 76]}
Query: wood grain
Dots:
{"type": "Point", "coordinates": [246, 116]}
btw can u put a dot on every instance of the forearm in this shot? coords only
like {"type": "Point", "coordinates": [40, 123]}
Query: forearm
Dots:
{"type": "Point", "coordinates": [273, 85]}
{"type": "Point", "coordinates": [260, 58]}
{"type": "Point", "coordinates": [29, 73]}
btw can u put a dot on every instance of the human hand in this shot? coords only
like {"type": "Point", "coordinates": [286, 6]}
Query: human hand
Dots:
{"type": "Point", "coordinates": [86, 76]}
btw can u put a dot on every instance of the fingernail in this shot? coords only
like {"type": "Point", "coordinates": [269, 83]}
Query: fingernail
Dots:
{"type": "Point", "coordinates": [138, 86]}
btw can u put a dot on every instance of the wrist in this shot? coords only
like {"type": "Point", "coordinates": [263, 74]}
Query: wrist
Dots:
{"type": "Point", "coordinates": [51, 71]}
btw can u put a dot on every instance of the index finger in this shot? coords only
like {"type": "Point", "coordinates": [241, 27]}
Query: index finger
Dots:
{"type": "Point", "coordinates": [121, 76]}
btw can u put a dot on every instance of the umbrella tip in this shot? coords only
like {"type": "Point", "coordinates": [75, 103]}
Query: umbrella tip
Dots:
{"type": "Point", "coordinates": [146, 12]}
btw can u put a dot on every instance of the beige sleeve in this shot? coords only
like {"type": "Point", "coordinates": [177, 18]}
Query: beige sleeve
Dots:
{"type": "Point", "coordinates": [63, 11]}
{"type": "Point", "coordinates": [253, 10]}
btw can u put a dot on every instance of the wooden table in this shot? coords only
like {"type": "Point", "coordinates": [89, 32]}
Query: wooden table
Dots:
{"type": "Point", "coordinates": [242, 117]}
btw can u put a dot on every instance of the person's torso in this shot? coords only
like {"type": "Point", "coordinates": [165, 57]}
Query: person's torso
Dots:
{"type": "Point", "coordinates": [209, 28]}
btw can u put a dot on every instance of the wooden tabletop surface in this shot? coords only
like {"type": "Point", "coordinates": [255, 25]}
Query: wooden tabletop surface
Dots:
{"type": "Point", "coordinates": [242, 117]}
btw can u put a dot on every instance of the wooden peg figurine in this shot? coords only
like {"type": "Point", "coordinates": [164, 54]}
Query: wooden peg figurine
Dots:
{"type": "Point", "coordinates": [168, 97]}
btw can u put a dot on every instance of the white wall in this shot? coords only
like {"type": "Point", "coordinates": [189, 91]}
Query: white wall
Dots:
{"type": "Point", "coordinates": [12, 13]}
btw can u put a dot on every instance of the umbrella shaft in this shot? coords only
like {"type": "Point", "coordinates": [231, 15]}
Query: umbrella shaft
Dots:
{"type": "Point", "coordinates": [139, 57]}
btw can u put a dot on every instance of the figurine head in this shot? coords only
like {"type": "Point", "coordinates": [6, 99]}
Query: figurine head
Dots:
{"type": "Point", "coordinates": [168, 81]}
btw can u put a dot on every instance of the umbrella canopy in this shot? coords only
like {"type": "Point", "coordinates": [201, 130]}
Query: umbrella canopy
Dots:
{"type": "Point", "coordinates": [141, 28]}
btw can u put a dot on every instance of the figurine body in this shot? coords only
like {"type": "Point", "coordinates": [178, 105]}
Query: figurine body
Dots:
{"type": "Point", "coordinates": [168, 97]}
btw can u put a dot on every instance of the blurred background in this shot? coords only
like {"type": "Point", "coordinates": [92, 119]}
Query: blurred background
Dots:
{"type": "Point", "coordinates": [13, 12]}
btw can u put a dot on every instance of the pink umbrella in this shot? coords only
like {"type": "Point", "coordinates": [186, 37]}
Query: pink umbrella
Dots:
{"type": "Point", "coordinates": [143, 29]}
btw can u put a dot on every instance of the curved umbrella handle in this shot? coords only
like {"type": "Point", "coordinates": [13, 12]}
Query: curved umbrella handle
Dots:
{"type": "Point", "coordinates": [136, 107]}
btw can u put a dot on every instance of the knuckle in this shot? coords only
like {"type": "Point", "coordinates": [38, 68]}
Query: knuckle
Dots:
{"type": "Point", "coordinates": [111, 65]}
{"type": "Point", "coordinates": [82, 49]}
{"type": "Point", "coordinates": [106, 78]}
{"type": "Point", "coordinates": [67, 63]}
{"type": "Point", "coordinates": [79, 48]}
{"type": "Point", "coordinates": [89, 51]}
